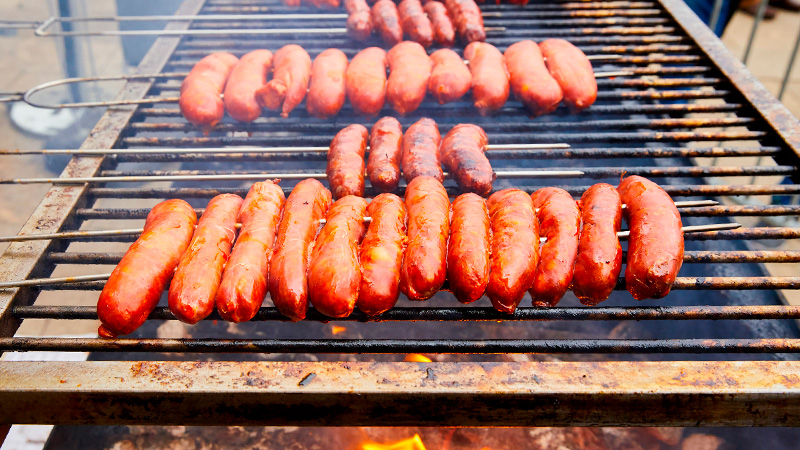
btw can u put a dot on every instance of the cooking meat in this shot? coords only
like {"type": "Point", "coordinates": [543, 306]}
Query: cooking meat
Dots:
{"type": "Point", "coordinates": [386, 21]}
{"type": "Point", "coordinates": [326, 92]}
{"type": "Point", "coordinates": [490, 82]}
{"type": "Point", "coordinates": [359, 19]}
{"type": "Point", "coordinates": [409, 71]}
{"type": "Point", "coordinates": [468, 248]}
{"type": "Point", "coordinates": [531, 82]}
{"type": "Point", "coordinates": [200, 101]}
{"type": "Point", "coordinates": [247, 76]}
{"type": "Point", "coordinates": [443, 32]}
{"type": "Point", "coordinates": [346, 161]}
{"type": "Point", "coordinates": [415, 22]}
{"type": "Point", "coordinates": [467, 18]}
{"type": "Point", "coordinates": [573, 72]}
{"type": "Point", "coordinates": [421, 151]}
{"type": "Point", "coordinates": [462, 152]}
{"type": "Point", "coordinates": [365, 80]}
{"type": "Point", "coordinates": [450, 78]}
{"type": "Point", "coordinates": [385, 150]}
{"type": "Point", "coordinates": [292, 69]}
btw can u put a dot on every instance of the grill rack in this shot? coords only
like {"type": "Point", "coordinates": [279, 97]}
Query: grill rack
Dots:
{"type": "Point", "coordinates": [534, 393]}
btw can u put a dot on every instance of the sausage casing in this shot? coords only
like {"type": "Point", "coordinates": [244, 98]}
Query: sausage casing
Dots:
{"type": "Point", "coordinates": [531, 82]}
{"type": "Point", "coordinates": [326, 91]}
{"type": "Point", "coordinates": [462, 153]}
{"type": "Point", "coordinates": [421, 151]}
{"type": "Point", "coordinates": [468, 20]}
{"type": "Point", "coordinates": [409, 72]}
{"type": "Point", "coordinates": [247, 76]}
{"type": "Point", "coordinates": [573, 72]}
{"type": "Point", "coordinates": [365, 80]}
{"type": "Point", "coordinates": [200, 101]}
{"type": "Point", "coordinates": [450, 78]}
{"type": "Point", "coordinates": [197, 278]}
{"type": "Point", "coordinates": [443, 31]}
{"type": "Point", "coordinates": [490, 85]}
{"type": "Point", "coordinates": [359, 19]}
{"type": "Point", "coordinates": [136, 284]}
{"type": "Point", "coordinates": [289, 83]}
{"type": "Point", "coordinates": [468, 248]}
{"type": "Point", "coordinates": [346, 161]}
{"type": "Point", "coordinates": [385, 149]}
{"type": "Point", "coordinates": [386, 20]}
{"type": "Point", "coordinates": [415, 22]}
{"type": "Point", "coordinates": [424, 266]}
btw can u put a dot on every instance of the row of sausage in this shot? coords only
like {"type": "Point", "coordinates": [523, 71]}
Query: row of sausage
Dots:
{"type": "Point", "coordinates": [483, 247]}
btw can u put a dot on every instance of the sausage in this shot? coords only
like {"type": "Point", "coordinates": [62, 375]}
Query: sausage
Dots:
{"type": "Point", "coordinates": [599, 259]}
{"type": "Point", "coordinates": [197, 278]}
{"type": "Point", "coordinates": [462, 153]}
{"type": "Point", "coordinates": [247, 76]}
{"type": "Point", "coordinates": [359, 19]}
{"type": "Point", "coordinates": [409, 71]}
{"type": "Point", "coordinates": [346, 161]}
{"type": "Point", "coordinates": [415, 22]}
{"type": "Point", "coordinates": [425, 260]}
{"type": "Point", "coordinates": [244, 281]}
{"type": "Point", "coordinates": [531, 82]}
{"type": "Point", "coordinates": [288, 282]}
{"type": "Point", "coordinates": [386, 20]}
{"type": "Point", "coordinates": [450, 78]}
{"type": "Point", "coordinates": [468, 248]}
{"type": "Point", "coordinates": [421, 151]}
{"type": "Point", "coordinates": [489, 77]}
{"type": "Point", "coordinates": [385, 148]}
{"type": "Point", "coordinates": [325, 3]}
{"type": "Point", "coordinates": [382, 254]}
{"type": "Point", "coordinates": [136, 284]}
{"type": "Point", "coordinates": [291, 3]}
{"type": "Point", "coordinates": [326, 92]}
{"type": "Point", "coordinates": [514, 248]}
{"type": "Point", "coordinates": [559, 220]}
{"type": "Point", "coordinates": [443, 31]}
{"type": "Point", "coordinates": [573, 72]}
{"type": "Point", "coordinates": [655, 245]}
{"type": "Point", "coordinates": [468, 20]}
{"type": "Point", "coordinates": [334, 275]}
{"type": "Point", "coordinates": [200, 100]}
{"type": "Point", "coordinates": [365, 80]}
{"type": "Point", "coordinates": [292, 69]}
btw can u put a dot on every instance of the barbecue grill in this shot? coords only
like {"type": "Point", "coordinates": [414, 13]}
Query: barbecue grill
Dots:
{"type": "Point", "coordinates": [686, 102]}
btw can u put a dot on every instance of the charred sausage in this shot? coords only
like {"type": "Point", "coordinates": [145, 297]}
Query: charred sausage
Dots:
{"type": "Point", "coordinates": [531, 82]}
{"type": "Point", "coordinates": [573, 72]}
{"type": "Point", "coordinates": [288, 282]}
{"type": "Point", "coordinates": [244, 281]}
{"type": "Point", "coordinates": [514, 248]}
{"type": "Point", "coordinates": [425, 261]}
{"type": "Point", "coordinates": [197, 278]}
{"type": "Point", "coordinates": [326, 92]}
{"type": "Point", "coordinates": [292, 69]}
{"type": "Point", "coordinates": [346, 161]}
{"type": "Point", "coordinates": [655, 245]}
{"type": "Point", "coordinates": [386, 21]}
{"type": "Point", "coordinates": [415, 22]}
{"type": "Point", "coordinates": [421, 151]}
{"type": "Point", "coordinates": [409, 71]}
{"type": "Point", "coordinates": [385, 148]}
{"type": "Point", "coordinates": [468, 248]}
{"type": "Point", "coordinates": [382, 254]}
{"type": "Point", "coordinates": [462, 152]}
{"type": "Point", "coordinates": [247, 76]}
{"type": "Point", "coordinates": [200, 101]}
{"type": "Point", "coordinates": [359, 19]}
{"type": "Point", "coordinates": [450, 78]}
{"type": "Point", "coordinates": [365, 80]}
{"type": "Point", "coordinates": [599, 259]}
{"type": "Point", "coordinates": [559, 220]}
{"type": "Point", "coordinates": [443, 31]}
{"type": "Point", "coordinates": [334, 275]}
{"type": "Point", "coordinates": [489, 77]}
{"type": "Point", "coordinates": [467, 19]}
{"type": "Point", "coordinates": [136, 284]}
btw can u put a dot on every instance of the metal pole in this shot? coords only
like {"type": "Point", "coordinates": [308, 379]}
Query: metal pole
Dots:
{"type": "Point", "coordinates": [715, 13]}
{"type": "Point", "coordinates": [762, 8]}
{"type": "Point", "coordinates": [789, 69]}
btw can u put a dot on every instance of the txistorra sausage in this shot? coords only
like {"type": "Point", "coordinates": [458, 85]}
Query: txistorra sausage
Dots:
{"type": "Point", "coordinates": [247, 76]}
{"type": "Point", "coordinates": [468, 248]}
{"type": "Point", "coordinates": [200, 101]}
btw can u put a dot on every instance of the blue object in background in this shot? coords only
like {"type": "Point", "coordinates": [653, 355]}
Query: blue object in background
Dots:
{"type": "Point", "coordinates": [704, 8]}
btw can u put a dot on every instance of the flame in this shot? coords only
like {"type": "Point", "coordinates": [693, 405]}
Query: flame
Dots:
{"type": "Point", "coordinates": [336, 329]}
{"type": "Point", "coordinates": [412, 443]}
{"type": "Point", "coordinates": [416, 357]}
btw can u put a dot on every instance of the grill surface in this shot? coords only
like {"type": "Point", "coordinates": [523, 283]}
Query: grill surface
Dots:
{"type": "Point", "coordinates": [690, 118]}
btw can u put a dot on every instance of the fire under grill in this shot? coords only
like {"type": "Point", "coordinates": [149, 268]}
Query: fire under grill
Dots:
{"type": "Point", "coordinates": [721, 349]}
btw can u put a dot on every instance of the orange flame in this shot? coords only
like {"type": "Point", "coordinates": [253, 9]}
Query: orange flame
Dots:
{"type": "Point", "coordinates": [412, 443]}
{"type": "Point", "coordinates": [336, 329]}
{"type": "Point", "coordinates": [416, 357]}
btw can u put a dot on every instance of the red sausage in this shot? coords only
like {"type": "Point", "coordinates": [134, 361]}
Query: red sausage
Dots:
{"type": "Point", "coordinates": [386, 20]}
{"type": "Point", "coordinates": [409, 71]}
{"type": "Point", "coordinates": [385, 148]}
{"type": "Point", "coordinates": [197, 278]}
{"type": "Point", "coordinates": [244, 281]}
{"type": "Point", "coordinates": [515, 248]}
{"type": "Point", "coordinates": [468, 19]}
{"type": "Point", "coordinates": [573, 72]}
{"type": "Point", "coordinates": [365, 80]}
{"type": "Point", "coordinates": [599, 259]}
{"type": "Point", "coordinates": [288, 282]}
{"type": "Point", "coordinates": [200, 100]}
{"type": "Point", "coordinates": [421, 150]}
{"type": "Point", "coordinates": [359, 19]}
{"type": "Point", "coordinates": [655, 245]}
{"type": "Point", "coordinates": [462, 153]}
{"type": "Point", "coordinates": [490, 83]}
{"type": "Point", "coordinates": [443, 31]}
{"type": "Point", "coordinates": [247, 76]}
{"type": "Point", "coordinates": [531, 82]}
{"type": "Point", "coordinates": [382, 254]}
{"type": "Point", "coordinates": [346, 161]}
{"type": "Point", "coordinates": [136, 284]}
{"type": "Point", "coordinates": [326, 91]}
{"type": "Point", "coordinates": [415, 22]}
{"type": "Point", "coordinates": [450, 78]}
{"type": "Point", "coordinates": [425, 261]}
{"type": "Point", "coordinates": [468, 248]}
{"type": "Point", "coordinates": [560, 221]}
{"type": "Point", "coordinates": [292, 69]}
{"type": "Point", "coordinates": [334, 275]}
{"type": "Point", "coordinates": [325, 3]}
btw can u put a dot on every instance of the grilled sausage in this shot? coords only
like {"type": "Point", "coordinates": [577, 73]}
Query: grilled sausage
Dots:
{"type": "Point", "coordinates": [450, 78]}
{"type": "Point", "coordinates": [244, 281]}
{"type": "Point", "coordinates": [288, 282]}
{"type": "Point", "coordinates": [425, 261]}
{"type": "Point", "coordinates": [467, 19]}
{"type": "Point", "coordinates": [200, 100]}
{"type": "Point", "coordinates": [573, 72]}
{"type": "Point", "coordinates": [409, 71]}
{"type": "Point", "coordinates": [136, 284]}
{"type": "Point", "coordinates": [559, 220]}
{"type": "Point", "coordinates": [462, 153]}
{"type": "Point", "coordinates": [514, 247]}
{"type": "Point", "coordinates": [443, 31]}
{"type": "Point", "coordinates": [421, 151]}
{"type": "Point", "coordinates": [415, 22]}
{"type": "Point", "coordinates": [489, 77]}
{"type": "Point", "coordinates": [365, 80]}
{"type": "Point", "coordinates": [531, 82]}
{"type": "Point", "coordinates": [382, 254]}
{"type": "Point", "coordinates": [346, 161]}
{"type": "Point", "coordinates": [334, 275]}
{"type": "Point", "coordinates": [292, 69]}
{"type": "Point", "coordinates": [197, 278]}
{"type": "Point", "coordinates": [326, 91]}
{"type": "Point", "coordinates": [359, 19]}
{"type": "Point", "coordinates": [599, 259]}
{"type": "Point", "coordinates": [385, 148]}
{"type": "Point", "coordinates": [468, 248]}
{"type": "Point", "coordinates": [325, 3]}
{"type": "Point", "coordinates": [655, 245]}
{"type": "Point", "coordinates": [386, 21]}
{"type": "Point", "coordinates": [247, 76]}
